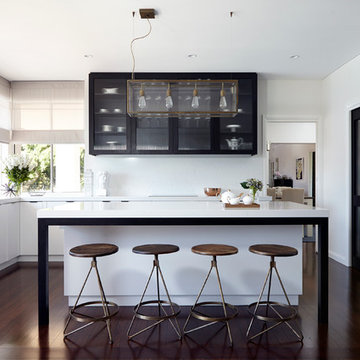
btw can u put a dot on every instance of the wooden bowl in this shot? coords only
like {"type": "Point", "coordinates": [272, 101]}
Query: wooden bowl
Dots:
{"type": "Point", "coordinates": [212, 191]}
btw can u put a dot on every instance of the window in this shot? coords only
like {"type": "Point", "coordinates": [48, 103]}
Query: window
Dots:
{"type": "Point", "coordinates": [4, 151]}
{"type": "Point", "coordinates": [48, 105]}
{"type": "Point", "coordinates": [48, 125]}
{"type": "Point", "coordinates": [60, 167]}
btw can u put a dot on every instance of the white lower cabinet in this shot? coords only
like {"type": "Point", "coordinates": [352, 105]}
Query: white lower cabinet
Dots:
{"type": "Point", "coordinates": [9, 237]}
{"type": "Point", "coordinates": [28, 229]}
{"type": "Point", "coordinates": [13, 222]}
{"type": "Point", "coordinates": [4, 233]}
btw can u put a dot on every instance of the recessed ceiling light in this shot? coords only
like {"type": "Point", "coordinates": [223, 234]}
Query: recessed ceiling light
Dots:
{"type": "Point", "coordinates": [294, 57]}
{"type": "Point", "coordinates": [192, 55]}
{"type": "Point", "coordinates": [88, 56]}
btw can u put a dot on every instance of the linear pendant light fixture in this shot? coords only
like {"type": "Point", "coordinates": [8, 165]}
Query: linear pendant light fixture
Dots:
{"type": "Point", "coordinates": [171, 97]}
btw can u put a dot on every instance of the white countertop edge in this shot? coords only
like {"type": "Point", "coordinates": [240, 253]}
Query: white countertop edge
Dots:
{"type": "Point", "coordinates": [175, 209]}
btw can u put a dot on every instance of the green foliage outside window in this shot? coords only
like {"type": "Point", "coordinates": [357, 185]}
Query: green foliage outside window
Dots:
{"type": "Point", "coordinates": [41, 155]}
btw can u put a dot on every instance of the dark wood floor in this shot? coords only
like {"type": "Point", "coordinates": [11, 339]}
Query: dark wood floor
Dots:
{"type": "Point", "coordinates": [20, 337]}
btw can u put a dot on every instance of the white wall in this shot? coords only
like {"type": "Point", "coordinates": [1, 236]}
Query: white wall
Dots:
{"type": "Point", "coordinates": [341, 93]}
{"type": "Point", "coordinates": [173, 175]}
{"type": "Point", "coordinates": [287, 155]}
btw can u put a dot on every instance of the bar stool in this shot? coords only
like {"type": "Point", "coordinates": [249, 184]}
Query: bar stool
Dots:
{"type": "Point", "coordinates": [93, 251]}
{"type": "Point", "coordinates": [230, 311]}
{"type": "Point", "coordinates": [162, 314]}
{"type": "Point", "coordinates": [272, 251]}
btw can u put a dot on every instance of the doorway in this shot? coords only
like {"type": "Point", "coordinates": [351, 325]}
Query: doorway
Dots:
{"type": "Point", "coordinates": [296, 142]}
{"type": "Point", "coordinates": [355, 187]}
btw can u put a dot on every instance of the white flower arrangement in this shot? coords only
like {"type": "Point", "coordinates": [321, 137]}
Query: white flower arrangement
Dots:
{"type": "Point", "coordinates": [18, 169]}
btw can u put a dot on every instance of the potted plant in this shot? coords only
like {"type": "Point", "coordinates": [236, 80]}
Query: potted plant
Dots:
{"type": "Point", "coordinates": [18, 169]}
{"type": "Point", "coordinates": [254, 185]}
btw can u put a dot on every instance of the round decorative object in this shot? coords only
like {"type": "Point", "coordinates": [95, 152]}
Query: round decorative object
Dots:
{"type": "Point", "coordinates": [226, 196]}
{"type": "Point", "coordinates": [247, 200]}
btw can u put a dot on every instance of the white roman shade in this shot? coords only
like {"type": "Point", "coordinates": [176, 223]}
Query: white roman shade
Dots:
{"type": "Point", "coordinates": [5, 110]}
{"type": "Point", "coordinates": [48, 112]}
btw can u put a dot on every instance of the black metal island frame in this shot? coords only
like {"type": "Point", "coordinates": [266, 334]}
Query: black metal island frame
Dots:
{"type": "Point", "coordinates": [268, 216]}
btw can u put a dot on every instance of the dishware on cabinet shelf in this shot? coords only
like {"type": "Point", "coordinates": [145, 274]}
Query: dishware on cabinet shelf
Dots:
{"type": "Point", "coordinates": [120, 129]}
{"type": "Point", "coordinates": [110, 91]}
{"type": "Point", "coordinates": [234, 143]}
{"type": "Point", "coordinates": [233, 127]}
{"type": "Point", "coordinates": [107, 128]}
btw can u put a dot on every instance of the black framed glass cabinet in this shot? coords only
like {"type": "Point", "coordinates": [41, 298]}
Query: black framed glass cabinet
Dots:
{"type": "Point", "coordinates": [173, 113]}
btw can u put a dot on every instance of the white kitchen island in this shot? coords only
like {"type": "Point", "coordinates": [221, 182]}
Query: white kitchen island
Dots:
{"type": "Point", "coordinates": [184, 223]}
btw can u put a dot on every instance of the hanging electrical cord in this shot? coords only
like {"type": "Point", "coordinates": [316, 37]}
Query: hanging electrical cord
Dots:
{"type": "Point", "coordinates": [132, 43]}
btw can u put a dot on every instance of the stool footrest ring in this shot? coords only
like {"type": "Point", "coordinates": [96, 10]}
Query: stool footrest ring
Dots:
{"type": "Point", "coordinates": [113, 309]}
{"type": "Point", "coordinates": [292, 315]}
{"type": "Point", "coordinates": [196, 314]}
{"type": "Point", "coordinates": [173, 314]}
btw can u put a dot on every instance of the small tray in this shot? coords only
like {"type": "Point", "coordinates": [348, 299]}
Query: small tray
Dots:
{"type": "Point", "coordinates": [242, 206]}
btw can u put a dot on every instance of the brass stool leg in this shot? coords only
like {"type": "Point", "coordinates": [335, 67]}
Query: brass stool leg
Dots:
{"type": "Point", "coordinates": [223, 303]}
{"type": "Point", "coordinates": [177, 328]}
{"type": "Point", "coordinates": [270, 304]}
{"type": "Point", "coordinates": [138, 305]}
{"type": "Point", "coordinates": [76, 302]}
{"type": "Point", "coordinates": [158, 319]}
{"type": "Point", "coordinates": [103, 302]}
{"type": "Point", "coordinates": [222, 298]}
{"type": "Point", "coordinates": [196, 301]}
{"type": "Point", "coordinates": [299, 333]}
{"type": "Point", "coordinates": [258, 302]}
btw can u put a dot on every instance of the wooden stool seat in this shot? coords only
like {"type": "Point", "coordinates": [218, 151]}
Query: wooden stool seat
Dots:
{"type": "Point", "coordinates": [93, 250]}
{"type": "Point", "coordinates": [214, 249]}
{"type": "Point", "coordinates": [273, 250]}
{"type": "Point", "coordinates": [155, 249]}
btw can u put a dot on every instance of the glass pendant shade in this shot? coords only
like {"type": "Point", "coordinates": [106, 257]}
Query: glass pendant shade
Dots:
{"type": "Point", "coordinates": [166, 98]}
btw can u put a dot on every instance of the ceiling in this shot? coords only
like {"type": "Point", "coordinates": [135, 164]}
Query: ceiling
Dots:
{"type": "Point", "coordinates": [47, 39]}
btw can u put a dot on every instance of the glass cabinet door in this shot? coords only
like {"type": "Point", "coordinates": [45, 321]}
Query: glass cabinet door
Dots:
{"type": "Point", "coordinates": [152, 134]}
{"type": "Point", "coordinates": [194, 134]}
{"type": "Point", "coordinates": [236, 134]}
{"type": "Point", "coordinates": [110, 120]}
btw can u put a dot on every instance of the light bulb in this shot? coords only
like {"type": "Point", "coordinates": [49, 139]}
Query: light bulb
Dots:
{"type": "Point", "coordinates": [195, 99]}
{"type": "Point", "coordinates": [168, 100]}
{"type": "Point", "coordinates": [223, 103]}
{"type": "Point", "coordinates": [142, 101]}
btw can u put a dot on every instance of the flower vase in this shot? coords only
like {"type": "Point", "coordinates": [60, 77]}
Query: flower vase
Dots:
{"type": "Point", "coordinates": [18, 189]}
{"type": "Point", "coordinates": [253, 194]}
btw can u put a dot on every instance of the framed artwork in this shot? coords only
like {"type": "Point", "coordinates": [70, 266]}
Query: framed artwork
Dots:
{"type": "Point", "coordinates": [299, 168]}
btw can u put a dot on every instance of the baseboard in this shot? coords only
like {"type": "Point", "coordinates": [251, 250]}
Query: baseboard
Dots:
{"type": "Point", "coordinates": [184, 300]}
{"type": "Point", "coordinates": [34, 258]}
{"type": "Point", "coordinates": [339, 258]}
{"type": "Point", "coordinates": [8, 266]}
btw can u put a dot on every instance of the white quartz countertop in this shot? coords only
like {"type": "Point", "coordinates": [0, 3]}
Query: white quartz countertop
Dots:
{"type": "Point", "coordinates": [177, 209]}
